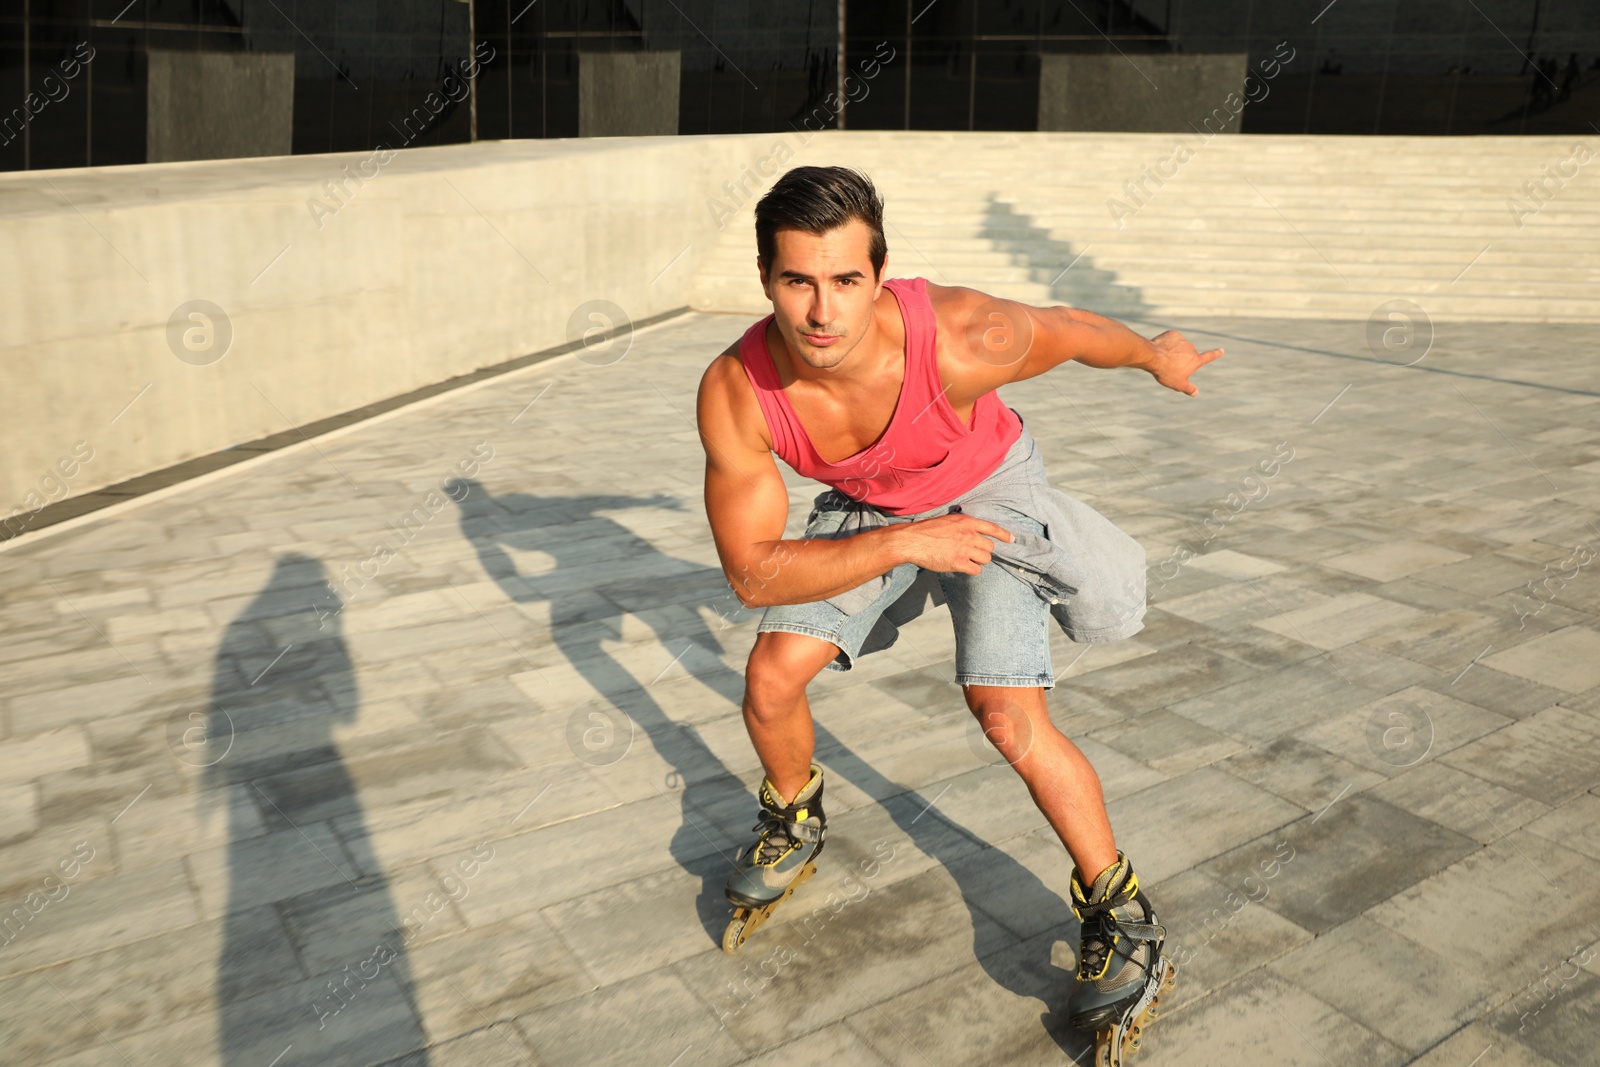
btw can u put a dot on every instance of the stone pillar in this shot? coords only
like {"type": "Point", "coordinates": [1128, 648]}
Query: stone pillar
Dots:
{"type": "Point", "coordinates": [627, 94]}
{"type": "Point", "coordinates": [1142, 93]}
{"type": "Point", "coordinates": [219, 105]}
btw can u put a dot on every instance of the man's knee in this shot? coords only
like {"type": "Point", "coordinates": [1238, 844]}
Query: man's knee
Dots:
{"type": "Point", "coordinates": [780, 667]}
{"type": "Point", "coordinates": [1005, 715]}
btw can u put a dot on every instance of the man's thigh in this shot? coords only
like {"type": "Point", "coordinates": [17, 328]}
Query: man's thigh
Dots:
{"type": "Point", "coordinates": [1002, 629]}
{"type": "Point", "coordinates": [821, 619]}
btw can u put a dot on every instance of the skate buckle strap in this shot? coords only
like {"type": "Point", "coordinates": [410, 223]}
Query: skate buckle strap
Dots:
{"type": "Point", "coordinates": [1142, 931]}
{"type": "Point", "coordinates": [804, 828]}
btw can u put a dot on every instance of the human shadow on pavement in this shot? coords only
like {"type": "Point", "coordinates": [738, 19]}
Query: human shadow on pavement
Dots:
{"type": "Point", "coordinates": [265, 754]}
{"type": "Point", "coordinates": [1024, 968]}
{"type": "Point", "coordinates": [587, 598]}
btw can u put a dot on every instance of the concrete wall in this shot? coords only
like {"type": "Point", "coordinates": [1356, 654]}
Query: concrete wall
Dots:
{"type": "Point", "coordinates": [1141, 93]}
{"type": "Point", "coordinates": [441, 261]}
{"type": "Point", "coordinates": [219, 105]}
{"type": "Point", "coordinates": [627, 94]}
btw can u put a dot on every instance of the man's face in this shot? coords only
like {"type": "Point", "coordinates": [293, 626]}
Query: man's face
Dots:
{"type": "Point", "coordinates": [822, 290]}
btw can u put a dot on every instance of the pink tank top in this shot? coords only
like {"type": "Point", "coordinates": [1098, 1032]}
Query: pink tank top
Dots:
{"type": "Point", "coordinates": [926, 456]}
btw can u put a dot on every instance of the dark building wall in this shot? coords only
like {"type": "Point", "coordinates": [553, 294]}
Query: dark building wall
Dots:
{"type": "Point", "coordinates": [1359, 66]}
{"type": "Point", "coordinates": [391, 71]}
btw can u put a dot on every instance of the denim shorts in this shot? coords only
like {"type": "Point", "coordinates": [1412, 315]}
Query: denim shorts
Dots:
{"type": "Point", "coordinates": [1002, 627]}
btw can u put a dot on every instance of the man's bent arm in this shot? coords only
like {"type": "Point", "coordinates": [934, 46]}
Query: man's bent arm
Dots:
{"type": "Point", "coordinates": [747, 505]}
{"type": "Point", "coordinates": [801, 571]}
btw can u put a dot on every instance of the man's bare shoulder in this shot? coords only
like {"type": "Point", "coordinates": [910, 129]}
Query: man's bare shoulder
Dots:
{"type": "Point", "coordinates": [727, 402]}
{"type": "Point", "coordinates": [964, 318]}
{"type": "Point", "coordinates": [724, 379]}
{"type": "Point", "coordinates": [956, 303]}
{"type": "Point", "coordinates": [981, 336]}
{"type": "Point", "coordinates": [961, 313]}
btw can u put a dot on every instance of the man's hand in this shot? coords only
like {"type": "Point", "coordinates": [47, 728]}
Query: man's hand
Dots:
{"type": "Point", "coordinates": [1174, 359]}
{"type": "Point", "coordinates": [948, 544]}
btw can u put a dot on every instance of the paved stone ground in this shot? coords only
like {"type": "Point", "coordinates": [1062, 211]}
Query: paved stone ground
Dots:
{"type": "Point", "coordinates": [478, 808]}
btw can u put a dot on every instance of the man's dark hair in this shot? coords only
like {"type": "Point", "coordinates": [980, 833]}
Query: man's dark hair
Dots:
{"type": "Point", "coordinates": [816, 200]}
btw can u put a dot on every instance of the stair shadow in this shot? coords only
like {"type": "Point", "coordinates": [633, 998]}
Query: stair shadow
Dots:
{"type": "Point", "coordinates": [524, 521]}
{"type": "Point", "coordinates": [1048, 260]}
{"type": "Point", "coordinates": [282, 680]}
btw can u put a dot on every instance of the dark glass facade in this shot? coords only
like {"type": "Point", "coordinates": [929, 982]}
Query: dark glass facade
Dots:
{"type": "Point", "coordinates": [1360, 66]}
{"type": "Point", "coordinates": [363, 68]}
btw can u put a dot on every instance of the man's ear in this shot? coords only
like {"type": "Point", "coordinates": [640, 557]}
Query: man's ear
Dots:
{"type": "Point", "coordinates": [761, 268]}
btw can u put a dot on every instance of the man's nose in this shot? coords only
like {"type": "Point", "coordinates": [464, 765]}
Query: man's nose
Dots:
{"type": "Point", "coordinates": [821, 310]}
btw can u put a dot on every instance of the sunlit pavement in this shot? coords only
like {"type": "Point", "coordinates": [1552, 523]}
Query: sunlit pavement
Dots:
{"type": "Point", "coordinates": [420, 742]}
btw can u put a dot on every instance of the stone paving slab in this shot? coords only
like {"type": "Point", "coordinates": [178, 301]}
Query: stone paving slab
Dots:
{"type": "Point", "coordinates": [1380, 850]}
{"type": "Point", "coordinates": [1440, 996]}
{"type": "Point", "coordinates": [1549, 756]}
{"type": "Point", "coordinates": [1460, 801]}
{"type": "Point", "coordinates": [1498, 881]}
{"type": "Point", "coordinates": [1219, 931]}
{"type": "Point", "coordinates": [1260, 1015]}
{"type": "Point", "coordinates": [513, 753]}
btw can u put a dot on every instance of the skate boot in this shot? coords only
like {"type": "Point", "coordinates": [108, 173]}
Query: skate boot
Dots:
{"type": "Point", "coordinates": [1121, 968]}
{"type": "Point", "coordinates": [783, 856]}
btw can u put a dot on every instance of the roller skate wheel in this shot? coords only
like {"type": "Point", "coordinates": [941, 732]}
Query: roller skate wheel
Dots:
{"type": "Point", "coordinates": [1108, 1050]}
{"type": "Point", "coordinates": [733, 937]}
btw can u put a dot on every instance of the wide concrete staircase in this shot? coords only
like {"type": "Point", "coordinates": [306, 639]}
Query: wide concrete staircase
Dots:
{"type": "Point", "coordinates": [1297, 226]}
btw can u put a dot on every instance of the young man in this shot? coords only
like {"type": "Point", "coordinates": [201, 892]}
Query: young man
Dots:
{"type": "Point", "coordinates": [885, 390]}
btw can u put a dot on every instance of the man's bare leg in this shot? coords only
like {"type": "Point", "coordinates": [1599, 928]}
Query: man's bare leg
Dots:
{"type": "Point", "coordinates": [776, 712]}
{"type": "Point", "coordinates": [792, 831]}
{"type": "Point", "coordinates": [1063, 782]}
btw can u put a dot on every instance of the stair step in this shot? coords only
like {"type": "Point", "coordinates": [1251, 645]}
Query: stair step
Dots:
{"type": "Point", "coordinates": [1249, 225]}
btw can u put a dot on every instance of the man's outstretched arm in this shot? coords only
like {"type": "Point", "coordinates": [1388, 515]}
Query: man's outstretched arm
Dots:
{"type": "Point", "coordinates": [747, 505]}
{"type": "Point", "coordinates": [1009, 341]}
